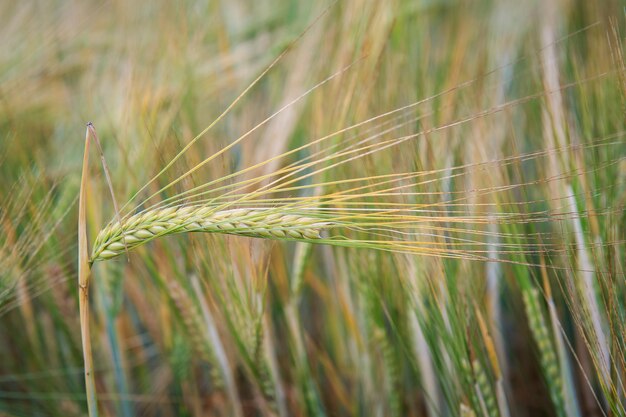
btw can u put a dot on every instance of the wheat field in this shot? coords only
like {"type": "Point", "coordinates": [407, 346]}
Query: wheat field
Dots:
{"type": "Point", "coordinates": [287, 208]}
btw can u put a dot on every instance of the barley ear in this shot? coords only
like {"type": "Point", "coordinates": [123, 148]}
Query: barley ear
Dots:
{"type": "Point", "coordinates": [84, 272]}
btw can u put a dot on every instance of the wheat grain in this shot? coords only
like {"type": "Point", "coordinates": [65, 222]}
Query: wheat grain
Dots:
{"type": "Point", "coordinates": [254, 222]}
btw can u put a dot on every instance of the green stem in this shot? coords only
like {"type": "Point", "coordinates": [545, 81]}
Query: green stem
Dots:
{"type": "Point", "coordinates": [84, 273]}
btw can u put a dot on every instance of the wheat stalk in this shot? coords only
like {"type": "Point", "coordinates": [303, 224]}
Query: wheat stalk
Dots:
{"type": "Point", "coordinates": [84, 278]}
{"type": "Point", "coordinates": [254, 222]}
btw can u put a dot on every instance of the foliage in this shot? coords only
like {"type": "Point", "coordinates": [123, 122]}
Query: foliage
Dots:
{"type": "Point", "coordinates": [466, 161]}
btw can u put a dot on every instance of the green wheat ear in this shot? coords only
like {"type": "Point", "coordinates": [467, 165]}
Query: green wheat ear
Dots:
{"type": "Point", "coordinates": [114, 239]}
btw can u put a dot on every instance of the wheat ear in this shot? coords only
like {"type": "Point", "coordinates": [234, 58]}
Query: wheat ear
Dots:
{"type": "Point", "coordinates": [255, 222]}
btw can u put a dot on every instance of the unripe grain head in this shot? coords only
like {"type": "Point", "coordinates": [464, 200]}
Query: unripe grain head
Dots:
{"type": "Point", "coordinates": [254, 222]}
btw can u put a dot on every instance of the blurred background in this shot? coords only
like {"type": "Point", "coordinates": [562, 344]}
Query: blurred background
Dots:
{"type": "Point", "coordinates": [517, 107]}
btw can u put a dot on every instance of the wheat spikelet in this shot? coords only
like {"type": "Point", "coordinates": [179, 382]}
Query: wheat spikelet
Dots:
{"type": "Point", "coordinates": [254, 222]}
{"type": "Point", "coordinates": [547, 351]}
{"type": "Point", "coordinates": [193, 324]}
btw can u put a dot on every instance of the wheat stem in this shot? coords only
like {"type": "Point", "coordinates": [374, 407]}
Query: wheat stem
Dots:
{"type": "Point", "coordinates": [84, 273]}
